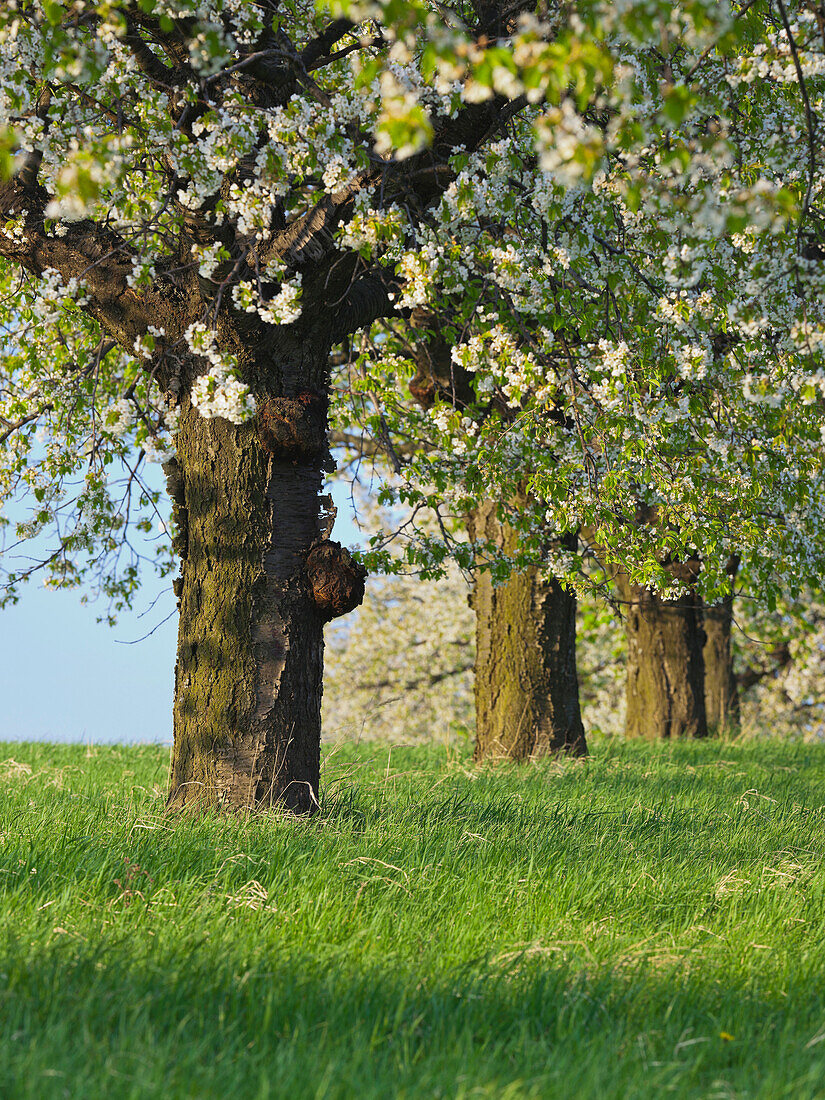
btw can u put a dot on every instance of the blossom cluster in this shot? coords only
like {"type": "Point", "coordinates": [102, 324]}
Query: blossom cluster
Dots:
{"type": "Point", "coordinates": [221, 393]}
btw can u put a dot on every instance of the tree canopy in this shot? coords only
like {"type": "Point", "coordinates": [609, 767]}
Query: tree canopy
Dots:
{"type": "Point", "coordinates": [635, 332]}
{"type": "Point", "coordinates": [610, 212]}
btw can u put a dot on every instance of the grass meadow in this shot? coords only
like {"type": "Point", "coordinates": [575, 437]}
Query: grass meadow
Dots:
{"type": "Point", "coordinates": [648, 923]}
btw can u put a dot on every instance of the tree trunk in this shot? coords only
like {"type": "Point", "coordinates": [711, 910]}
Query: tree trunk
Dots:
{"type": "Point", "coordinates": [526, 687]}
{"type": "Point", "coordinates": [665, 670]}
{"type": "Point", "coordinates": [721, 692]}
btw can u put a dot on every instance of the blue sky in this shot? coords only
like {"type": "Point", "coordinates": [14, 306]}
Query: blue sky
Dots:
{"type": "Point", "coordinates": [65, 677]}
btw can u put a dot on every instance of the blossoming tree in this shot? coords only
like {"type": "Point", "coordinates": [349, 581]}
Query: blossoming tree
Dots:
{"type": "Point", "coordinates": [213, 193]}
{"type": "Point", "coordinates": [641, 346]}
{"type": "Point", "coordinates": [526, 686]}
{"type": "Point", "coordinates": [180, 251]}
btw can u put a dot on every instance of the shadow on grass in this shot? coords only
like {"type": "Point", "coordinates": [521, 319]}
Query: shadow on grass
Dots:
{"type": "Point", "coordinates": [370, 963]}
{"type": "Point", "coordinates": [202, 1020]}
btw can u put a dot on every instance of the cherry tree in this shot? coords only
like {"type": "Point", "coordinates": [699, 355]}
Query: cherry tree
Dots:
{"type": "Point", "coordinates": [637, 341]}
{"type": "Point", "coordinates": [210, 196]}
{"type": "Point", "coordinates": [526, 688]}
{"type": "Point", "coordinates": [401, 668]}
{"type": "Point", "coordinates": [181, 250]}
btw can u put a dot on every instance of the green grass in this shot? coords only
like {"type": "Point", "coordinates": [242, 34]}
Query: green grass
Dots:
{"type": "Point", "coordinates": [575, 930]}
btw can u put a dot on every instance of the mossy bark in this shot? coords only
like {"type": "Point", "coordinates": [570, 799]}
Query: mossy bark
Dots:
{"type": "Point", "coordinates": [665, 668]}
{"type": "Point", "coordinates": [721, 691]}
{"type": "Point", "coordinates": [526, 687]}
{"type": "Point", "coordinates": [250, 645]}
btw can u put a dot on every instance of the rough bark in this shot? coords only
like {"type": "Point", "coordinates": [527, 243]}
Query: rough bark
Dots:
{"type": "Point", "coordinates": [721, 691]}
{"type": "Point", "coordinates": [665, 669]}
{"type": "Point", "coordinates": [526, 687]}
{"type": "Point", "coordinates": [250, 644]}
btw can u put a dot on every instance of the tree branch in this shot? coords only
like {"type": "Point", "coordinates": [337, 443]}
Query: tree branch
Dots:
{"type": "Point", "coordinates": [750, 676]}
{"type": "Point", "coordinates": [11, 428]}
{"type": "Point", "coordinates": [160, 76]}
{"type": "Point", "coordinates": [424, 177]}
{"type": "Point", "coordinates": [320, 46]}
{"type": "Point", "coordinates": [366, 446]}
{"type": "Point", "coordinates": [426, 680]}
{"type": "Point", "coordinates": [370, 296]}
{"type": "Point", "coordinates": [99, 259]}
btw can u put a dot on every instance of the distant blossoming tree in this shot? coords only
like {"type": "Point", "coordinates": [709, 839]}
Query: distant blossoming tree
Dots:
{"type": "Point", "coordinates": [631, 351]}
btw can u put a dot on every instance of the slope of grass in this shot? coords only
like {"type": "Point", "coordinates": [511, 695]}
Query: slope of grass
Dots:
{"type": "Point", "coordinates": [650, 923]}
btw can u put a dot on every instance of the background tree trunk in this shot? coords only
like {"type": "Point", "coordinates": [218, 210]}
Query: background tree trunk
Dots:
{"type": "Point", "coordinates": [721, 691]}
{"type": "Point", "coordinates": [665, 669]}
{"type": "Point", "coordinates": [250, 645]}
{"type": "Point", "coordinates": [526, 688]}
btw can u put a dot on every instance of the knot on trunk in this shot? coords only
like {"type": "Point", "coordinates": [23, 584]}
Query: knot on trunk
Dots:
{"type": "Point", "coordinates": [294, 428]}
{"type": "Point", "coordinates": [336, 579]}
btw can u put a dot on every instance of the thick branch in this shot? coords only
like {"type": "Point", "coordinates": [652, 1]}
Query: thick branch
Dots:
{"type": "Point", "coordinates": [320, 47]}
{"type": "Point", "coordinates": [160, 76]}
{"type": "Point", "coordinates": [100, 260]}
{"type": "Point", "coordinates": [370, 297]}
{"type": "Point", "coordinates": [174, 43]}
{"type": "Point", "coordinates": [417, 182]}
